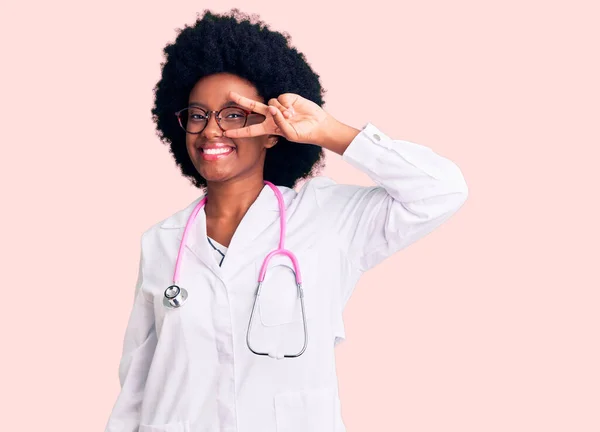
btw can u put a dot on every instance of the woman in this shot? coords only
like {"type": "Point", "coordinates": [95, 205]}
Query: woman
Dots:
{"type": "Point", "coordinates": [248, 111]}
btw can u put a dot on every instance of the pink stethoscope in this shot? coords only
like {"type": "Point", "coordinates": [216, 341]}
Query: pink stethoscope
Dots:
{"type": "Point", "coordinates": [176, 296]}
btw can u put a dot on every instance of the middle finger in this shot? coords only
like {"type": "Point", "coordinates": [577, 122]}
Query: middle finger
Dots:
{"type": "Point", "coordinates": [250, 104]}
{"type": "Point", "coordinates": [287, 112]}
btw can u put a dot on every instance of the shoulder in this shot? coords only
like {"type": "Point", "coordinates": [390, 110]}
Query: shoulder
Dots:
{"type": "Point", "coordinates": [325, 192]}
{"type": "Point", "coordinates": [174, 221]}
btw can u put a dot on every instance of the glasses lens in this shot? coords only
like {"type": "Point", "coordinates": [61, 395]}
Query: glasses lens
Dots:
{"type": "Point", "coordinates": [255, 118]}
{"type": "Point", "coordinates": [232, 118]}
{"type": "Point", "coordinates": [193, 120]}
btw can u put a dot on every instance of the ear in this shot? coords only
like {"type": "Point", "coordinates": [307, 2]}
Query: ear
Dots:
{"type": "Point", "coordinates": [271, 141]}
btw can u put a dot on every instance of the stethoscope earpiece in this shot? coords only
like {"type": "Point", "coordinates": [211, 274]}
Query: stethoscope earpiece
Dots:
{"type": "Point", "coordinates": [174, 297]}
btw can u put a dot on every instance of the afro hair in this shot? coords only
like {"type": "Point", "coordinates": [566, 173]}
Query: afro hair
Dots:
{"type": "Point", "coordinates": [245, 46]}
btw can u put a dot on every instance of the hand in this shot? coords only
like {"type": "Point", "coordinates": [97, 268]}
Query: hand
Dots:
{"type": "Point", "coordinates": [290, 115]}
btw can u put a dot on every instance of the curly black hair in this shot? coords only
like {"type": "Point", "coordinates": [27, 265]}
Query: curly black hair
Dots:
{"type": "Point", "coordinates": [243, 45]}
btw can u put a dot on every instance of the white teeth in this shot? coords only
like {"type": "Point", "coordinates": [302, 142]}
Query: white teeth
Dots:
{"type": "Point", "coordinates": [218, 150]}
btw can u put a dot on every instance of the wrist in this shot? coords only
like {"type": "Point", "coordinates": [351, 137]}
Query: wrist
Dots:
{"type": "Point", "coordinates": [337, 136]}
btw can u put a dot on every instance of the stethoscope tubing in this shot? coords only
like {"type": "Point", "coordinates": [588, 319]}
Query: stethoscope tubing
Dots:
{"type": "Point", "coordinates": [175, 297]}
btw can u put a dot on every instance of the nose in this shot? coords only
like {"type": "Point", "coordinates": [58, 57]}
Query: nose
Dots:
{"type": "Point", "coordinates": [212, 127]}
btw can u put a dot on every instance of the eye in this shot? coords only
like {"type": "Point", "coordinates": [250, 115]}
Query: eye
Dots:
{"type": "Point", "coordinates": [196, 115]}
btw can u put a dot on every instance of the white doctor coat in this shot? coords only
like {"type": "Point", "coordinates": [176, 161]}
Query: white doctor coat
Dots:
{"type": "Point", "coordinates": [190, 370]}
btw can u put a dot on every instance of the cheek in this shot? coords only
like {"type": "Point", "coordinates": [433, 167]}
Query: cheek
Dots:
{"type": "Point", "coordinates": [190, 145]}
{"type": "Point", "coordinates": [189, 141]}
{"type": "Point", "coordinates": [252, 147]}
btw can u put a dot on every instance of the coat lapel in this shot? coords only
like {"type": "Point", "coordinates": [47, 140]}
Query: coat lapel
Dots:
{"type": "Point", "coordinates": [248, 241]}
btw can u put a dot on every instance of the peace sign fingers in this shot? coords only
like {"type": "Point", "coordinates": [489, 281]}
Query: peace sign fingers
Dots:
{"type": "Point", "coordinates": [290, 116]}
{"type": "Point", "coordinates": [253, 129]}
{"type": "Point", "coordinates": [249, 104]}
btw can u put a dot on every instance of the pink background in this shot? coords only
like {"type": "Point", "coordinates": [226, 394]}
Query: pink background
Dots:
{"type": "Point", "coordinates": [490, 323]}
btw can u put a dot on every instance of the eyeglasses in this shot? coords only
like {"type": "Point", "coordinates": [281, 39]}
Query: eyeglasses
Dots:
{"type": "Point", "coordinates": [193, 119]}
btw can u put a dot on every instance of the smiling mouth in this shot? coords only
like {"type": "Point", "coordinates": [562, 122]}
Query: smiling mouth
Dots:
{"type": "Point", "coordinates": [215, 154]}
{"type": "Point", "coordinates": [216, 151]}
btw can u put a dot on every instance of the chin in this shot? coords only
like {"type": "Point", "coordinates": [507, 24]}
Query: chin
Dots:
{"type": "Point", "coordinates": [212, 176]}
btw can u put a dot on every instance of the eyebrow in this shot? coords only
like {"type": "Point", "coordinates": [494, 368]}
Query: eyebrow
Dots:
{"type": "Point", "coordinates": [201, 105]}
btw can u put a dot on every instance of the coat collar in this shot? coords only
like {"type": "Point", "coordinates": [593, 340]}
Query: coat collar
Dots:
{"type": "Point", "coordinates": [263, 212]}
{"type": "Point", "coordinates": [266, 200]}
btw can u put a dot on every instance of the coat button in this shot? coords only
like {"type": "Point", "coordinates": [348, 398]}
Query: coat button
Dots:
{"type": "Point", "coordinates": [377, 137]}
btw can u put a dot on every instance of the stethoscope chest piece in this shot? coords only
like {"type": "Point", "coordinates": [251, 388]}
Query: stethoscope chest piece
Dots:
{"type": "Point", "coordinates": [174, 297]}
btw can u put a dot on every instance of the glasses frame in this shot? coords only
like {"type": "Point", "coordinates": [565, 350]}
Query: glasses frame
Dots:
{"type": "Point", "coordinates": [209, 114]}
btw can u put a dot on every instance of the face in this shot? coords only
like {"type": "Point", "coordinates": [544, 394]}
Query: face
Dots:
{"type": "Point", "coordinates": [247, 158]}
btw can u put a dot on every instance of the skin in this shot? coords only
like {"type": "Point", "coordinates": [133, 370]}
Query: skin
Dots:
{"type": "Point", "coordinates": [234, 182]}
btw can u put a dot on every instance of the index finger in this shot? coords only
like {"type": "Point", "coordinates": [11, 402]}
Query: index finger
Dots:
{"type": "Point", "coordinates": [247, 131]}
{"type": "Point", "coordinates": [250, 104]}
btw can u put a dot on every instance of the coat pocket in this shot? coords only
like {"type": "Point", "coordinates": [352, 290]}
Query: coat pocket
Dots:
{"type": "Point", "coordinates": [311, 410]}
{"type": "Point", "coordinates": [278, 302]}
{"type": "Point", "coordinates": [171, 427]}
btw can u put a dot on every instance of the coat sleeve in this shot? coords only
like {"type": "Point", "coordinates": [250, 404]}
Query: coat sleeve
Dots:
{"type": "Point", "coordinates": [416, 191]}
{"type": "Point", "coordinates": [138, 349]}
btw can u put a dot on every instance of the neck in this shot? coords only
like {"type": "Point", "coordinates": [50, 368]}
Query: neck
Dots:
{"type": "Point", "coordinates": [226, 200]}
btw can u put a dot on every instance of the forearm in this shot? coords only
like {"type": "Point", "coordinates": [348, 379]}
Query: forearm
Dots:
{"type": "Point", "coordinates": [337, 136]}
